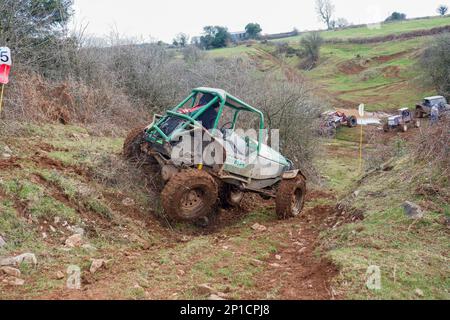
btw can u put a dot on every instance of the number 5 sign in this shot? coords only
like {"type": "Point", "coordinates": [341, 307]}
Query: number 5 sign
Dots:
{"type": "Point", "coordinates": [5, 64]}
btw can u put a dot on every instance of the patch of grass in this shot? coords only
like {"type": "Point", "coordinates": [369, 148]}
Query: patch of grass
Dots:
{"type": "Point", "coordinates": [98, 207]}
{"type": "Point", "coordinates": [39, 204]}
{"type": "Point", "coordinates": [411, 255]}
{"type": "Point", "coordinates": [79, 193]}
{"type": "Point", "coordinates": [68, 187]}
{"type": "Point", "coordinates": [230, 51]}
{"type": "Point", "coordinates": [262, 215]}
{"type": "Point", "coordinates": [340, 174]}
{"type": "Point", "coordinates": [350, 134]}
{"type": "Point", "coordinates": [408, 260]}
{"type": "Point", "coordinates": [16, 231]}
{"type": "Point", "coordinates": [135, 293]}
{"type": "Point", "coordinates": [48, 208]}
{"type": "Point", "coordinates": [67, 158]}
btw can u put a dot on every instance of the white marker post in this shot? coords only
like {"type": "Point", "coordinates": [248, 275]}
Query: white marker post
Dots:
{"type": "Point", "coordinates": [5, 68]}
{"type": "Point", "coordinates": [361, 114]}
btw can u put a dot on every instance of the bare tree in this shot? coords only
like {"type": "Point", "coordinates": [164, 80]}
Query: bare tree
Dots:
{"type": "Point", "coordinates": [342, 23]}
{"type": "Point", "coordinates": [181, 40]}
{"type": "Point", "coordinates": [442, 9]}
{"type": "Point", "coordinates": [325, 10]}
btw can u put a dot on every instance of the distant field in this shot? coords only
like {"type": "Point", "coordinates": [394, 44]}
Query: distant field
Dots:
{"type": "Point", "coordinates": [231, 51]}
{"type": "Point", "coordinates": [382, 30]}
{"type": "Point", "coordinates": [384, 76]}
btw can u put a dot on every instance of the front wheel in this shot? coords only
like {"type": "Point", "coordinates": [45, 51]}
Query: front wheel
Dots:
{"type": "Point", "coordinates": [189, 196]}
{"type": "Point", "coordinates": [291, 197]}
{"type": "Point", "coordinates": [403, 128]}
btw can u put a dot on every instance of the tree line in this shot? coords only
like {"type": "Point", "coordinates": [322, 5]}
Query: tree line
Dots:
{"type": "Point", "coordinates": [218, 36]}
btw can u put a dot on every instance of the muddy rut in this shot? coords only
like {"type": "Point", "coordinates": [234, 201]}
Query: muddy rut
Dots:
{"type": "Point", "coordinates": [298, 271]}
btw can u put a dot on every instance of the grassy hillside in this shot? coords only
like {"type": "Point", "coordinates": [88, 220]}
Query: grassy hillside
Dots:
{"type": "Point", "coordinates": [412, 256]}
{"type": "Point", "coordinates": [382, 29]}
{"type": "Point", "coordinates": [62, 178]}
{"type": "Point", "coordinates": [384, 76]}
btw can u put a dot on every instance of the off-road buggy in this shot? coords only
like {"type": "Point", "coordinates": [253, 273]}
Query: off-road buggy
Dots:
{"type": "Point", "coordinates": [207, 165]}
{"type": "Point", "coordinates": [332, 120]}
{"type": "Point", "coordinates": [424, 109]}
{"type": "Point", "coordinates": [401, 122]}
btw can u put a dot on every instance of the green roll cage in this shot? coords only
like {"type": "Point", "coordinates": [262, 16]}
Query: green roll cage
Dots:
{"type": "Point", "coordinates": [225, 99]}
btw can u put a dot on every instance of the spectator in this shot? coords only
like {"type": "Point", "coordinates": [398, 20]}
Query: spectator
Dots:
{"type": "Point", "coordinates": [434, 115]}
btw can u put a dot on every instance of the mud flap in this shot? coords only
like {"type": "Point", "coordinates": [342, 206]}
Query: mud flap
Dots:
{"type": "Point", "coordinates": [289, 175]}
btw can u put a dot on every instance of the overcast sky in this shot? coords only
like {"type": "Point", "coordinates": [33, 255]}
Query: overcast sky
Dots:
{"type": "Point", "coordinates": [163, 19]}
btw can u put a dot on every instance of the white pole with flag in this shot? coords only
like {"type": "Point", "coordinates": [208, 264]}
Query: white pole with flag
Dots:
{"type": "Point", "coordinates": [361, 115]}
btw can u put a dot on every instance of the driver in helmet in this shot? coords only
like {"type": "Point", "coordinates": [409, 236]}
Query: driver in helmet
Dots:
{"type": "Point", "coordinates": [208, 118]}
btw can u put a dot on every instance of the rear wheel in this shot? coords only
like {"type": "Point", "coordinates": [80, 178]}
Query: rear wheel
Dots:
{"type": "Point", "coordinates": [352, 122]}
{"type": "Point", "coordinates": [403, 127]}
{"type": "Point", "coordinates": [419, 114]}
{"type": "Point", "coordinates": [133, 142]}
{"type": "Point", "coordinates": [189, 196]}
{"type": "Point", "coordinates": [291, 197]}
{"type": "Point", "coordinates": [132, 152]}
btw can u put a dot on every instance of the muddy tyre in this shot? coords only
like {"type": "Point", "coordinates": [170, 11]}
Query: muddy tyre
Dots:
{"type": "Point", "coordinates": [419, 114]}
{"type": "Point", "coordinates": [230, 196]}
{"type": "Point", "coordinates": [290, 198]}
{"type": "Point", "coordinates": [352, 122]}
{"type": "Point", "coordinates": [417, 124]}
{"type": "Point", "coordinates": [189, 196]}
{"type": "Point", "coordinates": [132, 145]}
{"type": "Point", "coordinates": [403, 128]}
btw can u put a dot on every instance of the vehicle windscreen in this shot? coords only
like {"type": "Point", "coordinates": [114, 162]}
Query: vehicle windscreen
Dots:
{"type": "Point", "coordinates": [436, 102]}
{"type": "Point", "coordinates": [171, 124]}
{"type": "Point", "coordinates": [440, 101]}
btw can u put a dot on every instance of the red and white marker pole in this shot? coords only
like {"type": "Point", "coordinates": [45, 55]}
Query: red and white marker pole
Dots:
{"type": "Point", "coordinates": [5, 68]}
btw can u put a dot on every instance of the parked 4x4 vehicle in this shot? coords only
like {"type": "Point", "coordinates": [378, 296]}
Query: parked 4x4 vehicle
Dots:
{"type": "Point", "coordinates": [401, 122]}
{"type": "Point", "coordinates": [424, 109]}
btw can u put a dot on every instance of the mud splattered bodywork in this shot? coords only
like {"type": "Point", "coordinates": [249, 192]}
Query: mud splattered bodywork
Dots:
{"type": "Point", "coordinates": [203, 135]}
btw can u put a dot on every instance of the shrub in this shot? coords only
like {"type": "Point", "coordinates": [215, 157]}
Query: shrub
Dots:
{"type": "Point", "coordinates": [310, 50]}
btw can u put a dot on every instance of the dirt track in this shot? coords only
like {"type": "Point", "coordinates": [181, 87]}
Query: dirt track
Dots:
{"type": "Point", "coordinates": [301, 274]}
{"type": "Point", "coordinates": [298, 275]}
